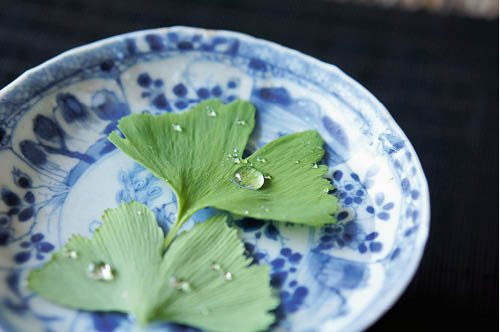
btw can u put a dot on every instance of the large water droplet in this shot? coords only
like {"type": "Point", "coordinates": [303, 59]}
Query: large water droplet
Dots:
{"type": "Point", "coordinates": [248, 177]}
{"type": "Point", "coordinates": [100, 271]}
{"type": "Point", "coordinates": [176, 127]}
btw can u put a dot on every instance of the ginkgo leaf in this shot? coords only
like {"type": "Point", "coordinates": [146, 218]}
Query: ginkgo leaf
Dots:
{"type": "Point", "coordinates": [199, 154]}
{"type": "Point", "coordinates": [203, 280]}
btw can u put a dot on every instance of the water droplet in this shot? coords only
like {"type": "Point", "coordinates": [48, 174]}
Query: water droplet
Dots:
{"type": "Point", "coordinates": [264, 208]}
{"type": "Point", "coordinates": [315, 165]}
{"type": "Point", "coordinates": [176, 127]}
{"type": "Point", "coordinates": [180, 284]}
{"type": "Point", "coordinates": [214, 266]}
{"type": "Point", "coordinates": [268, 177]}
{"type": "Point", "coordinates": [228, 276]}
{"type": "Point", "coordinates": [262, 160]}
{"type": "Point", "coordinates": [139, 213]}
{"type": "Point", "coordinates": [241, 122]}
{"type": "Point", "coordinates": [248, 177]}
{"type": "Point", "coordinates": [235, 150]}
{"type": "Point", "coordinates": [326, 190]}
{"type": "Point", "coordinates": [70, 254]}
{"type": "Point", "coordinates": [296, 161]}
{"type": "Point", "coordinates": [100, 271]}
{"type": "Point", "coordinates": [211, 112]}
{"type": "Point", "coordinates": [246, 212]}
{"type": "Point", "coordinates": [236, 160]}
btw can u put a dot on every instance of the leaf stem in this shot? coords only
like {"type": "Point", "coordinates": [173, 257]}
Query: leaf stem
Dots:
{"type": "Point", "coordinates": [182, 217]}
{"type": "Point", "coordinates": [171, 234]}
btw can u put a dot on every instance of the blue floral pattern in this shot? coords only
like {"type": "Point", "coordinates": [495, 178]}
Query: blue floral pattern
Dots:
{"type": "Point", "coordinates": [61, 168]}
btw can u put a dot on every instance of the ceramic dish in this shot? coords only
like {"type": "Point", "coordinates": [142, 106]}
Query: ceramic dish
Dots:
{"type": "Point", "coordinates": [58, 172]}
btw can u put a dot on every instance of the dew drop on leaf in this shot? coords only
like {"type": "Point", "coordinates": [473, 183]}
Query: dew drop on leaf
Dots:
{"type": "Point", "coordinates": [176, 127]}
{"type": "Point", "coordinates": [180, 284]}
{"type": "Point", "coordinates": [211, 112]}
{"type": "Point", "coordinates": [100, 271]}
{"type": "Point", "coordinates": [70, 254]}
{"type": "Point", "coordinates": [248, 177]}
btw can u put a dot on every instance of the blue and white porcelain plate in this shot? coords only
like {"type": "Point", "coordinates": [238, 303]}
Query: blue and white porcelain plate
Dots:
{"type": "Point", "coordinates": [58, 172]}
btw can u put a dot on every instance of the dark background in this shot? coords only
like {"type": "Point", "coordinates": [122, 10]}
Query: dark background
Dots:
{"type": "Point", "coordinates": [437, 75]}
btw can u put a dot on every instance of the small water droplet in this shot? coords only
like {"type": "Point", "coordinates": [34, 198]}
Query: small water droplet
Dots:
{"type": "Point", "coordinates": [326, 190]}
{"type": "Point", "coordinates": [70, 254]}
{"type": "Point", "coordinates": [214, 266]}
{"type": "Point", "coordinates": [268, 177]}
{"type": "Point", "coordinates": [241, 122]}
{"type": "Point", "coordinates": [264, 208]}
{"type": "Point", "coordinates": [262, 160]}
{"type": "Point", "coordinates": [236, 160]}
{"type": "Point", "coordinates": [180, 284]}
{"type": "Point", "coordinates": [211, 112]}
{"type": "Point", "coordinates": [315, 165]}
{"type": "Point", "coordinates": [235, 150]}
{"type": "Point", "coordinates": [100, 271]}
{"type": "Point", "coordinates": [176, 127]}
{"type": "Point", "coordinates": [228, 276]}
{"type": "Point", "coordinates": [248, 177]}
{"type": "Point", "coordinates": [139, 213]}
{"type": "Point", "coordinates": [246, 212]}
{"type": "Point", "coordinates": [319, 147]}
{"type": "Point", "coordinates": [296, 161]}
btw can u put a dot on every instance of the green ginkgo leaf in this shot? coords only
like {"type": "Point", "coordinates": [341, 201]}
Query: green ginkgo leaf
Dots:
{"type": "Point", "coordinates": [199, 154]}
{"type": "Point", "coordinates": [203, 279]}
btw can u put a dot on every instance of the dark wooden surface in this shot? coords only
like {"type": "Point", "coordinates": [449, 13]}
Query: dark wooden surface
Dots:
{"type": "Point", "coordinates": [437, 75]}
